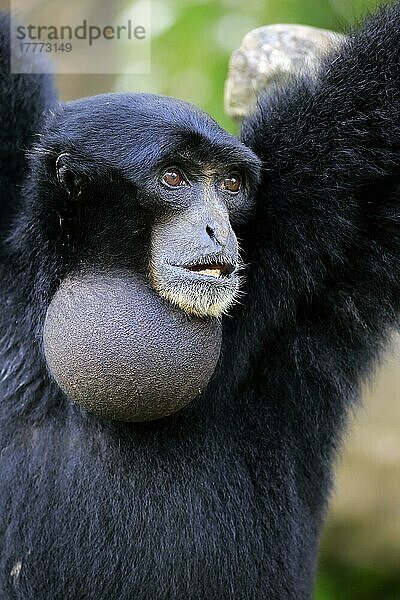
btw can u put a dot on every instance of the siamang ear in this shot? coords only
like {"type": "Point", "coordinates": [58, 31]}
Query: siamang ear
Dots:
{"type": "Point", "coordinates": [67, 178]}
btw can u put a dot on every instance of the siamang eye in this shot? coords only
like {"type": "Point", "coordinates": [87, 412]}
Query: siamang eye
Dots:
{"type": "Point", "coordinates": [173, 178]}
{"type": "Point", "coordinates": [231, 183]}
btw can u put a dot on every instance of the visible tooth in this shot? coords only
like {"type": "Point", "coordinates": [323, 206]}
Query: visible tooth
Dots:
{"type": "Point", "coordinates": [212, 272]}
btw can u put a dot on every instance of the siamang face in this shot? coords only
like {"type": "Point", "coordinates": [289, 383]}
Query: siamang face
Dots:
{"type": "Point", "coordinates": [147, 191]}
{"type": "Point", "coordinates": [159, 196]}
{"type": "Point", "coordinates": [194, 260]}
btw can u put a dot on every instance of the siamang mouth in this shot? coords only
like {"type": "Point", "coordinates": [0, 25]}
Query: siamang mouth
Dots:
{"type": "Point", "coordinates": [211, 269]}
{"type": "Point", "coordinates": [204, 286]}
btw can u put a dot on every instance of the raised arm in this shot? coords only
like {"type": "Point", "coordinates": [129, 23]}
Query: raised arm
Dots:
{"type": "Point", "coordinates": [325, 239]}
{"type": "Point", "coordinates": [23, 100]}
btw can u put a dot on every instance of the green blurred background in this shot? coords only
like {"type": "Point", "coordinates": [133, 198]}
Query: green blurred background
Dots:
{"type": "Point", "coordinates": [192, 41]}
{"type": "Point", "coordinates": [191, 44]}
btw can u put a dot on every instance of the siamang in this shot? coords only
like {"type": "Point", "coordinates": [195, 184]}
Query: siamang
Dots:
{"type": "Point", "coordinates": [124, 299]}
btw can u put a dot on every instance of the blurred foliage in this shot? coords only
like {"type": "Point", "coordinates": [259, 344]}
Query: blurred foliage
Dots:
{"type": "Point", "coordinates": [192, 42]}
{"type": "Point", "coordinates": [339, 581]}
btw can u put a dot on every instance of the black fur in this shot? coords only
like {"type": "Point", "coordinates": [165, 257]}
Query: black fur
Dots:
{"type": "Point", "coordinates": [225, 499]}
{"type": "Point", "coordinates": [23, 101]}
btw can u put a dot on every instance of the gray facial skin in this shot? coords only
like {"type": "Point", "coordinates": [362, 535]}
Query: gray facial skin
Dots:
{"type": "Point", "coordinates": [203, 279]}
{"type": "Point", "coordinates": [103, 347]}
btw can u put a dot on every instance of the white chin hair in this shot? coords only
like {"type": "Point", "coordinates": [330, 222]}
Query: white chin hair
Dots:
{"type": "Point", "coordinates": [199, 304]}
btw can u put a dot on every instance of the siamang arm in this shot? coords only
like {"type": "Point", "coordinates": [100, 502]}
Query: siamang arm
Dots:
{"type": "Point", "coordinates": [24, 98]}
{"type": "Point", "coordinates": [322, 287]}
{"type": "Point", "coordinates": [324, 244]}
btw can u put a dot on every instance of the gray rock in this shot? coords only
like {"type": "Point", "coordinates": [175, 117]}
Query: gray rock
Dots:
{"type": "Point", "coordinates": [269, 55]}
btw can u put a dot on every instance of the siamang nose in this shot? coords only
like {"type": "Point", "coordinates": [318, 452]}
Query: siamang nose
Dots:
{"type": "Point", "coordinates": [218, 233]}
